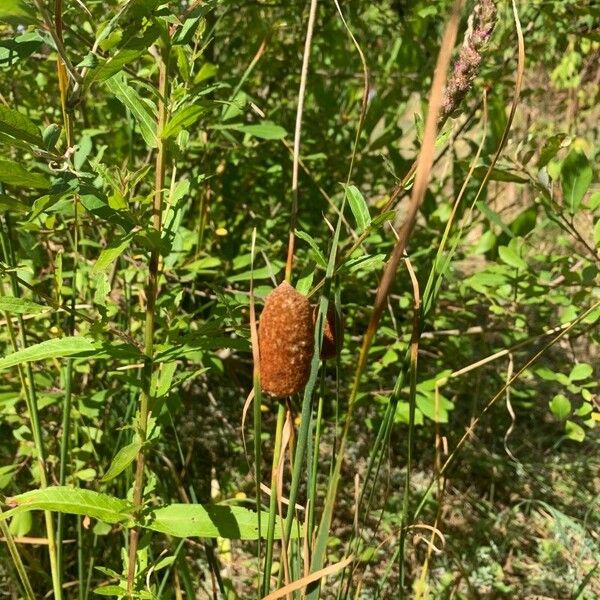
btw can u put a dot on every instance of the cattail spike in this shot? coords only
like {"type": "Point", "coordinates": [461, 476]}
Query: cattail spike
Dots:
{"type": "Point", "coordinates": [285, 341]}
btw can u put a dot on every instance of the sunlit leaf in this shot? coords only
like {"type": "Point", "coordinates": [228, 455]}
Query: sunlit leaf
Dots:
{"type": "Point", "coordinates": [209, 521]}
{"type": "Point", "coordinates": [576, 176]}
{"type": "Point", "coordinates": [560, 406]}
{"type": "Point", "coordinates": [54, 348]}
{"type": "Point", "coordinates": [70, 500]}
{"type": "Point", "coordinates": [124, 457]}
{"type": "Point", "coordinates": [359, 208]}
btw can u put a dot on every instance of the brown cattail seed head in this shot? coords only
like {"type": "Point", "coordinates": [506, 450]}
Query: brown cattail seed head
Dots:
{"type": "Point", "coordinates": [285, 341]}
{"type": "Point", "coordinates": [330, 339]}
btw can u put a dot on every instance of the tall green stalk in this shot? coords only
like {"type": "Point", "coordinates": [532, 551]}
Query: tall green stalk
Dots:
{"type": "Point", "coordinates": [64, 81]}
{"type": "Point", "coordinates": [273, 499]}
{"type": "Point", "coordinates": [16, 557]}
{"type": "Point", "coordinates": [150, 318]}
{"type": "Point", "coordinates": [29, 391]}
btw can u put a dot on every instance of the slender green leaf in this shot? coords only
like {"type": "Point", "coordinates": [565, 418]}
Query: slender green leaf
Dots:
{"type": "Point", "coordinates": [182, 119]}
{"type": "Point", "coordinates": [124, 457]}
{"type": "Point", "coordinates": [54, 348]}
{"type": "Point", "coordinates": [74, 501]}
{"type": "Point", "coordinates": [13, 173]}
{"type": "Point", "coordinates": [15, 123]}
{"type": "Point", "coordinates": [111, 253]}
{"type": "Point", "coordinates": [500, 175]}
{"type": "Point", "coordinates": [494, 217]}
{"type": "Point", "coordinates": [265, 130]}
{"type": "Point", "coordinates": [388, 215]}
{"type": "Point", "coordinates": [110, 590]}
{"type": "Point", "coordinates": [359, 208]}
{"type": "Point", "coordinates": [578, 593]}
{"type": "Point", "coordinates": [209, 521]}
{"type": "Point", "coordinates": [8, 203]}
{"type": "Point", "coordinates": [130, 51]}
{"type": "Point", "coordinates": [20, 306]}
{"type": "Point", "coordinates": [365, 263]}
{"type": "Point", "coordinates": [319, 256]}
{"type": "Point", "coordinates": [118, 85]}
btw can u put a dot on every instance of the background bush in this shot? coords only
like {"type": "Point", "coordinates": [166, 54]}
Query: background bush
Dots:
{"type": "Point", "coordinates": [85, 128]}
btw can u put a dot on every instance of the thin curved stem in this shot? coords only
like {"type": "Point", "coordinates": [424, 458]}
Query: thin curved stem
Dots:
{"type": "Point", "coordinates": [297, 135]}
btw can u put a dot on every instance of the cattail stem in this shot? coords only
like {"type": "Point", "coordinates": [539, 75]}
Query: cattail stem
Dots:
{"type": "Point", "coordinates": [297, 135]}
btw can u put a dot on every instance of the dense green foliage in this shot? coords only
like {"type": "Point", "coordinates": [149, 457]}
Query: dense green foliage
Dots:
{"type": "Point", "coordinates": [145, 206]}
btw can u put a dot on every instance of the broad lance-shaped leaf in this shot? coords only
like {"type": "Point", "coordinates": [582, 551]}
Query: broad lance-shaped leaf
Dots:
{"type": "Point", "coordinates": [118, 86]}
{"type": "Point", "coordinates": [111, 253]}
{"type": "Point", "coordinates": [18, 125]}
{"type": "Point", "coordinates": [178, 520]}
{"type": "Point", "coordinates": [55, 348]}
{"type": "Point", "coordinates": [17, 12]}
{"type": "Point", "coordinates": [319, 256]}
{"type": "Point", "coordinates": [20, 306]}
{"type": "Point", "coordinates": [210, 521]}
{"type": "Point", "coordinates": [183, 118]}
{"type": "Point", "coordinates": [266, 130]}
{"type": "Point", "coordinates": [13, 173]}
{"type": "Point", "coordinates": [73, 501]}
{"type": "Point", "coordinates": [124, 457]}
{"type": "Point", "coordinates": [8, 203]}
{"type": "Point", "coordinates": [359, 208]}
{"type": "Point", "coordinates": [111, 590]}
{"type": "Point", "coordinates": [129, 52]}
